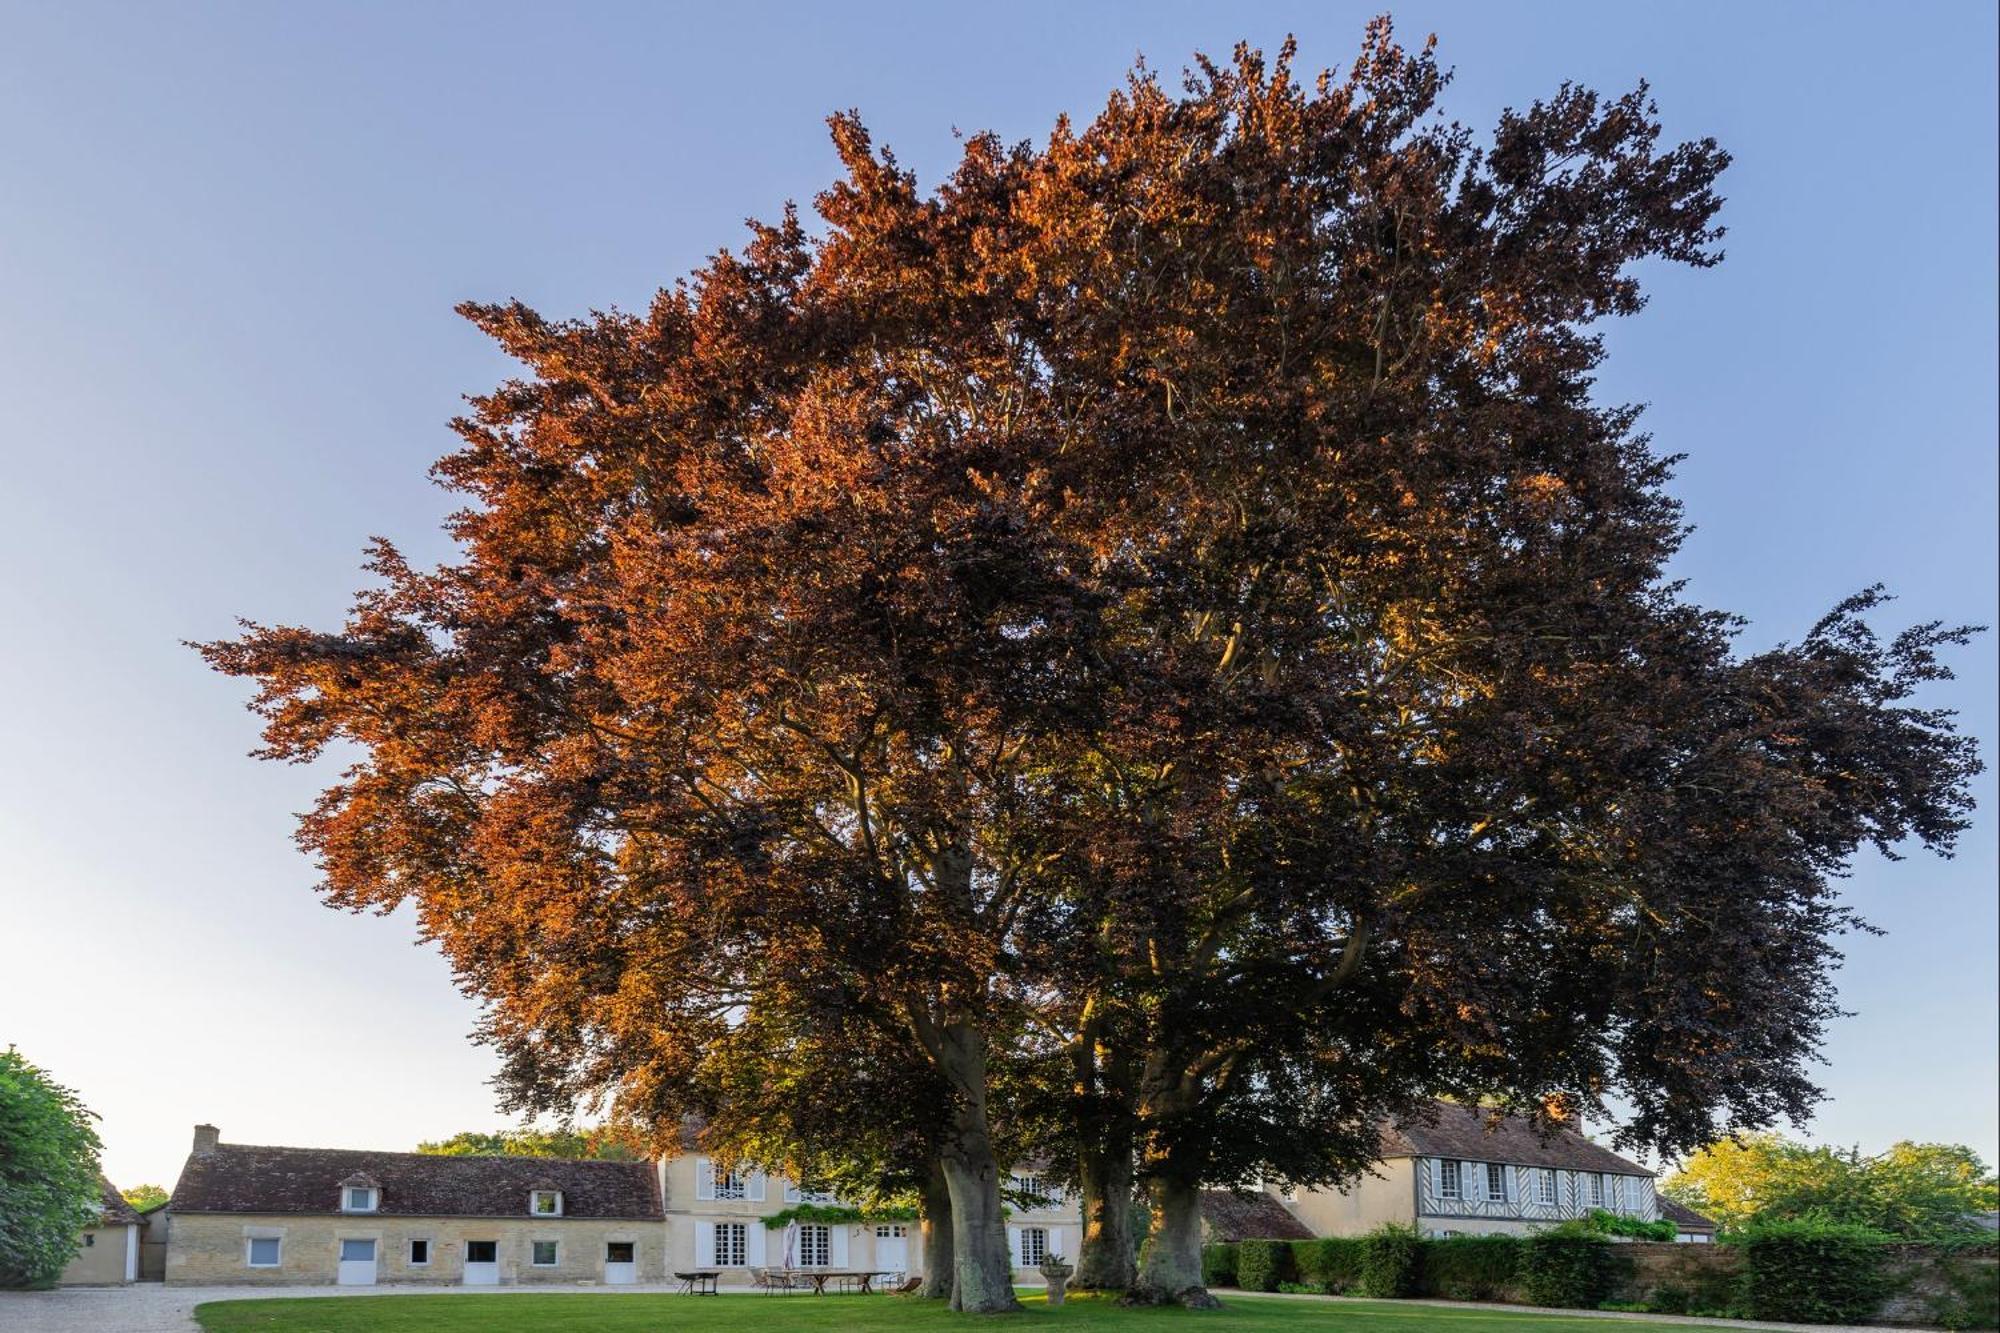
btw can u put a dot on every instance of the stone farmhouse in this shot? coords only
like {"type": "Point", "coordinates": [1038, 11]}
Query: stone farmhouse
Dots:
{"type": "Point", "coordinates": [1465, 1173]}
{"type": "Point", "coordinates": [308, 1216]}
{"type": "Point", "coordinates": [313, 1216]}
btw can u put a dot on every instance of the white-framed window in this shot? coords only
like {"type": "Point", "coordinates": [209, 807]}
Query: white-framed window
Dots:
{"type": "Point", "coordinates": [1614, 1194]}
{"type": "Point", "coordinates": [620, 1251]}
{"type": "Point", "coordinates": [542, 1253]}
{"type": "Point", "coordinates": [891, 1231]}
{"type": "Point", "coordinates": [1595, 1184]}
{"type": "Point", "coordinates": [1448, 1180]}
{"type": "Point", "coordinates": [1496, 1182]}
{"type": "Point", "coordinates": [482, 1251]}
{"type": "Point", "coordinates": [420, 1253]}
{"type": "Point", "coordinates": [798, 1193]}
{"type": "Point", "coordinates": [1545, 1186]}
{"type": "Point", "coordinates": [1034, 1247]}
{"type": "Point", "coordinates": [359, 1198]}
{"type": "Point", "coordinates": [545, 1203]}
{"type": "Point", "coordinates": [357, 1251]}
{"type": "Point", "coordinates": [815, 1245]}
{"type": "Point", "coordinates": [732, 1245]}
{"type": "Point", "coordinates": [729, 1184]}
{"type": "Point", "coordinates": [264, 1252]}
{"type": "Point", "coordinates": [1029, 1185]}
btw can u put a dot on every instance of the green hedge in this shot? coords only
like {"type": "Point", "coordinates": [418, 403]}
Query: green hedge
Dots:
{"type": "Point", "coordinates": [1331, 1265]}
{"type": "Point", "coordinates": [1813, 1272]}
{"type": "Point", "coordinates": [1569, 1269]}
{"type": "Point", "coordinates": [1218, 1265]}
{"type": "Point", "coordinates": [1470, 1268]}
{"type": "Point", "coordinates": [1262, 1264]}
{"type": "Point", "coordinates": [1389, 1259]}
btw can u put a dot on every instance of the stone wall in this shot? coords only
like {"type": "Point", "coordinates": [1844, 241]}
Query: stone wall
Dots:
{"type": "Point", "coordinates": [1709, 1273]}
{"type": "Point", "coordinates": [214, 1248]}
{"type": "Point", "coordinates": [100, 1258]}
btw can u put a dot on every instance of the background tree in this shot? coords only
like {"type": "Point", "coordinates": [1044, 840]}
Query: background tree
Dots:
{"type": "Point", "coordinates": [1924, 1191]}
{"type": "Point", "coordinates": [49, 1182]}
{"type": "Point", "coordinates": [594, 1144]}
{"type": "Point", "coordinates": [145, 1197]}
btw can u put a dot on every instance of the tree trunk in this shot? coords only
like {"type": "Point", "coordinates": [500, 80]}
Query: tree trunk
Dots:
{"type": "Point", "coordinates": [1104, 1261]}
{"type": "Point", "coordinates": [940, 1256]}
{"type": "Point", "coordinates": [984, 1278]}
{"type": "Point", "coordinates": [1172, 1271]}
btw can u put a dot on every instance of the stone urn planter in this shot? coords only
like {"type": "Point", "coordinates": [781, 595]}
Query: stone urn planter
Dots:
{"type": "Point", "coordinates": [1057, 1274]}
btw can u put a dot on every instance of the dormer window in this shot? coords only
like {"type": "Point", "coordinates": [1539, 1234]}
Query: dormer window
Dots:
{"type": "Point", "coordinates": [545, 1203]}
{"type": "Point", "coordinates": [359, 1198]}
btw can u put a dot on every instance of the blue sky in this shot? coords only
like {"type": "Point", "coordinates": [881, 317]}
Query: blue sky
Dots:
{"type": "Point", "coordinates": [230, 241]}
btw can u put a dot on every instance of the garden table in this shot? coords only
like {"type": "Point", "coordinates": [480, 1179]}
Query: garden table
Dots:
{"type": "Point", "coordinates": [700, 1283]}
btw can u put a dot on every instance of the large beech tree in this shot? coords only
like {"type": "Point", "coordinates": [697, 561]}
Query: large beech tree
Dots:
{"type": "Point", "coordinates": [1161, 614]}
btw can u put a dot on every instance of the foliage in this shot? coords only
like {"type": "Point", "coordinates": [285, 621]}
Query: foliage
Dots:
{"type": "Point", "coordinates": [1967, 1294]}
{"type": "Point", "coordinates": [1602, 1222]}
{"type": "Point", "coordinates": [1919, 1191]}
{"type": "Point", "coordinates": [1218, 1264]}
{"type": "Point", "coordinates": [835, 1214]}
{"type": "Point", "coordinates": [1262, 1264]}
{"type": "Point", "coordinates": [565, 1143]}
{"type": "Point", "coordinates": [145, 1198]}
{"type": "Point", "coordinates": [1571, 1267]}
{"type": "Point", "coordinates": [1390, 1259]}
{"type": "Point", "coordinates": [1471, 1268]}
{"type": "Point", "coordinates": [1330, 1264]}
{"type": "Point", "coordinates": [1160, 614]}
{"type": "Point", "coordinates": [49, 1183]}
{"type": "Point", "coordinates": [1814, 1272]}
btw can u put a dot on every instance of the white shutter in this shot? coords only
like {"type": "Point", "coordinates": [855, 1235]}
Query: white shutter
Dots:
{"type": "Point", "coordinates": [836, 1245]}
{"type": "Point", "coordinates": [704, 1178]}
{"type": "Point", "coordinates": [1059, 1242]}
{"type": "Point", "coordinates": [753, 1244]}
{"type": "Point", "coordinates": [704, 1244]}
{"type": "Point", "coordinates": [1014, 1245]}
{"type": "Point", "coordinates": [756, 1190]}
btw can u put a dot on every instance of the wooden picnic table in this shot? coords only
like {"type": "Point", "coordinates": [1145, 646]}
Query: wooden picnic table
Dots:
{"type": "Point", "coordinates": [699, 1283]}
{"type": "Point", "coordinates": [864, 1281]}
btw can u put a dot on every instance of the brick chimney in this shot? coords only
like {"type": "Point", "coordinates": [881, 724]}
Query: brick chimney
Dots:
{"type": "Point", "coordinates": [206, 1137]}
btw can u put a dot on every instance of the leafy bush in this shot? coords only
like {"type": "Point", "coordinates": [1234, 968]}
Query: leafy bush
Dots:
{"type": "Point", "coordinates": [1569, 1266]}
{"type": "Point", "coordinates": [1814, 1272]}
{"type": "Point", "coordinates": [48, 1173]}
{"type": "Point", "coordinates": [1262, 1264]}
{"type": "Point", "coordinates": [1332, 1264]}
{"type": "Point", "coordinates": [1300, 1289]}
{"type": "Point", "coordinates": [1470, 1268]}
{"type": "Point", "coordinates": [1389, 1259]}
{"type": "Point", "coordinates": [1218, 1265]}
{"type": "Point", "coordinates": [1606, 1223]}
{"type": "Point", "coordinates": [1971, 1295]}
{"type": "Point", "coordinates": [1669, 1299]}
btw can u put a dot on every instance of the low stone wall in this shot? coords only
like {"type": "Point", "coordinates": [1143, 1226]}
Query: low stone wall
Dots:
{"type": "Point", "coordinates": [1923, 1278]}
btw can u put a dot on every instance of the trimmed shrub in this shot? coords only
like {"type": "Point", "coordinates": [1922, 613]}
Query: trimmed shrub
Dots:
{"type": "Point", "coordinates": [1262, 1264]}
{"type": "Point", "coordinates": [1218, 1265]}
{"type": "Point", "coordinates": [1470, 1268]}
{"type": "Point", "coordinates": [1331, 1265]}
{"type": "Point", "coordinates": [1568, 1268]}
{"type": "Point", "coordinates": [1814, 1272]}
{"type": "Point", "coordinates": [1389, 1258]}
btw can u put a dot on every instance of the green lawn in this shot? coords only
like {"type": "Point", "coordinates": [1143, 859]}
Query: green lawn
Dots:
{"type": "Point", "coordinates": [610, 1313]}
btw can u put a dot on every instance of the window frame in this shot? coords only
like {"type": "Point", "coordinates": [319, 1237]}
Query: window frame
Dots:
{"type": "Point", "coordinates": [496, 1251]}
{"type": "Point", "coordinates": [536, 1196]}
{"type": "Point", "coordinates": [741, 1232]}
{"type": "Point", "coordinates": [1548, 1191]}
{"type": "Point", "coordinates": [631, 1246]}
{"type": "Point", "coordinates": [250, 1244]}
{"type": "Point", "coordinates": [1040, 1237]}
{"type": "Point", "coordinates": [535, 1249]}
{"type": "Point", "coordinates": [731, 1186]}
{"type": "Point", "coordinates": [820, 1235]}
{"type": "Point", "coordinates": [1451, 1179]}
{"type": "Point", "coordinates": [1496, 1174]}
{"type": "Point", "coordinates": [347, 1193]}
{"type": "Point", "coordinates": [410, 1252]}
{"type": "Point", "coordinates": [1594, 1192]}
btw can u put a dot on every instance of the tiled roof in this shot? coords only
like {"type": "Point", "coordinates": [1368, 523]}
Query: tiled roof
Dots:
{"type": "Point", "coordinates": [240, 1178]}
{"type": "Point", "coordinates": [1479, 1135]}
{"type": "Point", "coordinates": [117, 1212]}
{"type": "Point", "coordinates": [1684, 1217]}
{"type": "Point", "coordinates": [1232, 1217]}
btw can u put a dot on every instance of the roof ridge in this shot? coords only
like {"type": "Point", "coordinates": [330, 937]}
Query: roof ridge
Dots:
{"type": "Point", "coordinates": [430, 1156]}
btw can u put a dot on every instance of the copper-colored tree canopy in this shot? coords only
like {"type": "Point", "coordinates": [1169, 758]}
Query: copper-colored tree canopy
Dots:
{"type": "Point", "coordinates": [1148, 653]}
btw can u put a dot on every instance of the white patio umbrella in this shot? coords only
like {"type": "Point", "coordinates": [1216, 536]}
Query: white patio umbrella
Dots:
{"type": "Point", "coordinates": [791, 1243]}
